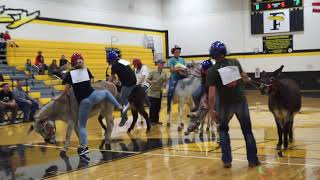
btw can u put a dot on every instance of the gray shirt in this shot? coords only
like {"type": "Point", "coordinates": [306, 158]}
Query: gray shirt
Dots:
{"type": "Point", "coordinates": [20, 95]}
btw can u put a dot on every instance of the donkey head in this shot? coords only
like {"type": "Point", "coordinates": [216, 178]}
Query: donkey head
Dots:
{"type": "Point", "coordinates": [268, 80]}
{"type": "Point", "coordinates": [268, 77]}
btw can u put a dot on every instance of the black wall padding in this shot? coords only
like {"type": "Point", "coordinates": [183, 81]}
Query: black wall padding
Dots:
{"type": "Point", "coordinates": [257, 23]}
{"type": "Point", "coordinates": [296, 20]}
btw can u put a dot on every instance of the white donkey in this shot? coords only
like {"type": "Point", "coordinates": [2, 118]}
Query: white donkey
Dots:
{"type": "Point", "coordinates": [66, 109]}
{"type": "Point", "coordinates": [183, 93]}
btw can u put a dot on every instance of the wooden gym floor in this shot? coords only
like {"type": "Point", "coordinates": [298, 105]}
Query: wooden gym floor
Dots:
{"type": "Point", "coordinates": [166, 153]}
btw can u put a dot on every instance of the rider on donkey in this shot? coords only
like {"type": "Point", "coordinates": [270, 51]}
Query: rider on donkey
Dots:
{"type": "Point", "coordinates": [176, 62]}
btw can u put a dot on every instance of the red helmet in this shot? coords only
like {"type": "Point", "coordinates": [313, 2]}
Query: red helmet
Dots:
{"type": "Point", "coordinates": [75, 57]}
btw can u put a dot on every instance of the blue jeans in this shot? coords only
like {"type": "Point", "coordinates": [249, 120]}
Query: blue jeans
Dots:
{"type": "Point", "coordinates": [124, 94]}
{"type": "Point", "coordinates": [173, 81]}
{"type": "Point", "coordinates": [85, 107]}
{"type": "Point", "coordinates": [225, 113]}
{"type": "Point", "coordinates": [28, 110]}
{"type": "Point", "coordinates": [197, 94]}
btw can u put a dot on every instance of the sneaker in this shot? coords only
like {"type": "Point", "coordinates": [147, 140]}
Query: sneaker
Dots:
{"type": "Point", "coordinates": [122, 122]}
{"type": "Point", "coordinates": [125, 107]}
{"type": "Point", "coordinates": [82, 151]}
{"type": "Point", "coordinates": [227, 165]}
{"type": "Point", "coordinates": [254, 164]}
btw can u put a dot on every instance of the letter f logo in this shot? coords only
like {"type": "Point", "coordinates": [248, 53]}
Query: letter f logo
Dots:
{"type": "Point", "coordinates": [276, 18]}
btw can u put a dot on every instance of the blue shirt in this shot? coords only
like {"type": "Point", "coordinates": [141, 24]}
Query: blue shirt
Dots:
{"type": "Point", "coordinates": [172, 62]}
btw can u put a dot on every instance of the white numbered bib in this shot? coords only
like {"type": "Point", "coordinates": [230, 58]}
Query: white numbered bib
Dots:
{"type": "Point", "coordinates": [124, 62]}
{"type": "Point", "coordinates": [229, 74]}
{"type": "Point", "coordinates": [79, 75]}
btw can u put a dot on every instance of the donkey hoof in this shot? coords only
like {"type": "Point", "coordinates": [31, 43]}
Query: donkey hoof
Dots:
{"type": "Point", "coordinates": [182, 125]}
{"type": "Point", "coordinates": [285, 146]}
{"type": "Point", "coordinates": [129, 131]}
{"type": "Point", "coordinates": [201, 134]}
{"type": "Point", "coordinates": [63, 153]}
{"type": "Point", "coordinates": [207, 129]}
{"type": "Point", "coordinates": [168, 124]}
{"type": "Point", "coordinates": [213, 135]}
{"type": "Point", "coordinates": [278, 147]}
{"type": "Point", "coordinates": [179, 129]}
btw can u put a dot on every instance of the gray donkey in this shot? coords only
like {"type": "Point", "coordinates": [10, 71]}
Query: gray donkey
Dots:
{"type": "Point", "coordinates": [66, 109]}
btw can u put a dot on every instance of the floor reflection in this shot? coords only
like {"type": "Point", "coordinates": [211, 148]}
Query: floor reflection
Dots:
{"type": "Point", "coordinates": [41, 161]}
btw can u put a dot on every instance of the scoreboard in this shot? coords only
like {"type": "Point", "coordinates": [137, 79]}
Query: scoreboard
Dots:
{"type": "Point", "coordinates": [276, 16]}
{"type": "Point", "coordinates": [262, 5]}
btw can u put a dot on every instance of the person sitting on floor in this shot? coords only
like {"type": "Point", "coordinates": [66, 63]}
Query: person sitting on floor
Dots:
{"type": "Point", "coordinates": [54, 69]}
{"type": "Point", "coordinates": [28, 66]}
{"type": "Point", "coordinates": [27, 104]}
{"type": "Point", "coordinates": [7, 103]}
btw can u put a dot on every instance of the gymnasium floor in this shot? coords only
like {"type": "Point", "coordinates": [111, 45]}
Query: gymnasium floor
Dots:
{"type": "Point", "coordinates": [166, 153]}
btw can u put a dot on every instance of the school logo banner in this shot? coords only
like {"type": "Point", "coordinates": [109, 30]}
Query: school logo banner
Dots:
{"type": "Point", "coordinates": [276, 21]}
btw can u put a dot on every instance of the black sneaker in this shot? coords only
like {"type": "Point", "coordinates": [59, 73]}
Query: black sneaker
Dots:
{"type": "Point", "coordinates": [227, 165]}
{"type": "Point", "coordinates": [82, 151]}
{"type": "Point", "coordinates": [254, 164]}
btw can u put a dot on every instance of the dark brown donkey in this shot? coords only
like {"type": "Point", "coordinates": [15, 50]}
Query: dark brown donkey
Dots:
{"type": "Point", "coordinates": [284, 102]}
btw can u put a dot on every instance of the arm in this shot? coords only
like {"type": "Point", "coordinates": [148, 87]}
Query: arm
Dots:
{"type": "Point", "coordinates": [212, 101]}
{"type": "Point", "coordinates": [245, 77]}
{"type": "Point", "coordinates": [112, 78]}
{"type": "Point", "coordinates": [17, 97]}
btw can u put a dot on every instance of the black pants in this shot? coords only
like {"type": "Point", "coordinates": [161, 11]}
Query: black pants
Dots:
{"type": "Point", "coordinates": [155, 106]}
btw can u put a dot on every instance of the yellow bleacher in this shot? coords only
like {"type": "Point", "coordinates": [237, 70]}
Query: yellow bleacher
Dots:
{"type": "Point", "coordinates": [94, 54]}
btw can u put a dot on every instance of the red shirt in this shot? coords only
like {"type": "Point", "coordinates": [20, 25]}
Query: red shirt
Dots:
{"type": "Point", "coordinates": [6, 36]}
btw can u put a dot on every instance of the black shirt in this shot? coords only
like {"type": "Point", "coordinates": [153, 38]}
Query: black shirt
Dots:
{"type": "Point", "coordinates": [63, 62]}
{"type": "Point", "coordinates": [82, 89]}
{"type": "Point", "coordinates": [124, 73]}
{"type": "Point", "coordinates": [6, 97]}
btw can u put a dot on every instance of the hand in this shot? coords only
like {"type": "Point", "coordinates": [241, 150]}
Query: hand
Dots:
{"type": "Point", "coordinates": [12, 104]}
{"type": "Point", "coordinates": [56, 98]}
{"type": "Point", "coordinates": [29, 102]}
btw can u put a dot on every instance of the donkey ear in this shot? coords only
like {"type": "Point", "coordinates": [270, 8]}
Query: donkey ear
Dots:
{"type": "Point", "coordinates": [277, 72]}
{"type": "Point", "coordinates": [30, 129]}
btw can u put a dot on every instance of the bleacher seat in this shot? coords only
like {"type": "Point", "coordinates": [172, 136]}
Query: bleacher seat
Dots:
{"type": "Point", "coordinates": [94, 54]}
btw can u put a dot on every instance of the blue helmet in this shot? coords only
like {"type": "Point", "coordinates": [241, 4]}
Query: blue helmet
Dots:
{"type": "Point", "coordinates": [112, 56]}
{"type": "Point", "coordinates": [218, 49]}
{"type": "Point", "coordinates": [205, 65]}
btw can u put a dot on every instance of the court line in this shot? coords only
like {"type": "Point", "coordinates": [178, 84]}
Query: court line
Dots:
{"type": "Point", "coordinates": [172, 155]}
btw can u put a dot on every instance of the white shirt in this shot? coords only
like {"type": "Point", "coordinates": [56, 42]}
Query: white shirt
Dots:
{"type": "Point", "coordinates": [143, 72]}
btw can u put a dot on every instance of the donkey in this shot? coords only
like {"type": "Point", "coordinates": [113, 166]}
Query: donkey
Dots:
{"type": "Point", "coordinates": [66, 109]}
{"type": "Point", "coordinates": [284, 102]}
{"type": "Point", "coordinates": [183, 93]}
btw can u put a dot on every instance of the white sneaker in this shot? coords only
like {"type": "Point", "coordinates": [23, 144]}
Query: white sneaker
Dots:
{"type": "Point", "coordinates": [125, 107]}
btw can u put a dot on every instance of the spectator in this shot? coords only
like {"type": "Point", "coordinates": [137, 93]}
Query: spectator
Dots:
{"type": "Point", "coordinates": [27, 104]}
{"type": "Point", "coordinates": [28, 66]}
{"type": "Point", "coordinates": [42, 68]}
{"type": "Point", "coordinates": [1, 78]}
{"type": "Point", "coordinates": [156, 79]}
{"type": "Point", "coordinates": [63, 61]}
{"type": "Point", "coordinates": [39, 58]}
{"type": "Point", "coordinates": [54, 69]}
{"type": "Point", "coordinates": [7, 103]}
{"type": "Point", "coordinates": [7, 38]}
